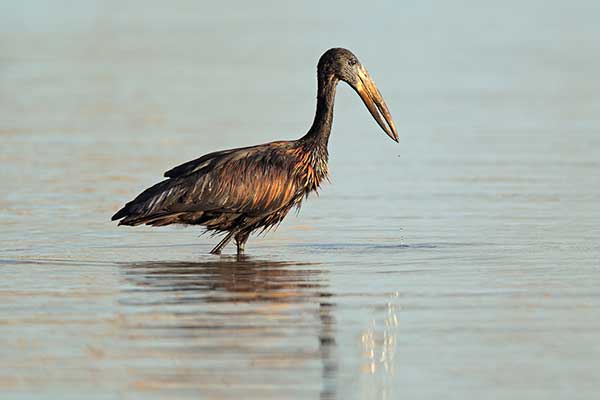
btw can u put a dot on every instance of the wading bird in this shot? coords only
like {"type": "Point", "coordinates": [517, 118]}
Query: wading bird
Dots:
{"type": "Point", "coordinates": [241, 190]}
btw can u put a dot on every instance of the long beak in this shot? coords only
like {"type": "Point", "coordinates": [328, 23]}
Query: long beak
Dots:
{"type": "Point", "coordinates": [368, 92]}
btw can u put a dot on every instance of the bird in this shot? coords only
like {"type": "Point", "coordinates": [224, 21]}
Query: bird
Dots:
{"type": "Point", "coordinates": [244, 190]}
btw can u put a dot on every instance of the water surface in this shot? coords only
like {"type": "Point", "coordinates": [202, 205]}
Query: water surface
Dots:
{"type": "Point", "coordinates": [462, 263]}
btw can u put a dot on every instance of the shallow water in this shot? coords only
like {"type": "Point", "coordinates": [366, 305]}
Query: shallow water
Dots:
{"type": "Point", "coordinates": [462, 263]}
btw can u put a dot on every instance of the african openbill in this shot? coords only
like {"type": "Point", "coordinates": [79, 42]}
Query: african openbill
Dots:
{"type": "Point", "coordinates": [241, 190]}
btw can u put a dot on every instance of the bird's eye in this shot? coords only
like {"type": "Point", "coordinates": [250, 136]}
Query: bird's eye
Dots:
{"type": "Point", "coordinates": [352, 62]}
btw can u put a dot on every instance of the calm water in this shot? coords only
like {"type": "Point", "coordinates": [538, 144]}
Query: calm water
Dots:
{"type": "Point", "coordinates": [462, 263]}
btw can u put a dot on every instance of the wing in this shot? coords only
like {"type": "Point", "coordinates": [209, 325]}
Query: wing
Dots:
{"type": "Point", "coordinates": [206, 161]}
{"type": "Point", "coordinates": [252, 181]}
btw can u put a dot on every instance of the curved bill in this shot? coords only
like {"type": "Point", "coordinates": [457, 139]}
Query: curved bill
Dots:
{"type": "Point", "coordinates": [368, 92]}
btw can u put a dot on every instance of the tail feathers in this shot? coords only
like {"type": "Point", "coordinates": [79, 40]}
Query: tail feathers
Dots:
{"type": "Point", "coordinates": [159, 218]}
{"type": "Point", "coordinates": [129, 212]}
{"type": "Point", "coordinates": [154, 220]}
{"type": "Point", "coordinates": [119, 214]}
{"type": "Point", "coordinates": [133, 213]}
{"type": "Point", "coordinates": [154, 202]}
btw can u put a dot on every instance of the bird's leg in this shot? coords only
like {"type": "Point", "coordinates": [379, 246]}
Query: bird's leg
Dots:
{"type": "Point", "coordinates": [223, 243]}
{"type": "Point", "coordinates": [240, 241]}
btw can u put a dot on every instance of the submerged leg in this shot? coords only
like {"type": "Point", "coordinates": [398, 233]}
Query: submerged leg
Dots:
{"type": "Point", "coordinates": [240, 241]}
{"type": "Point", "coordinates": [222, 243]}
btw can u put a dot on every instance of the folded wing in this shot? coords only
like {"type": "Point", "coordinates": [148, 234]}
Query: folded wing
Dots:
{"type": "Point", "coordinates": [221, 186]}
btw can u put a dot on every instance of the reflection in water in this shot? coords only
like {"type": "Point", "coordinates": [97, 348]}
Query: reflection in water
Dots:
{"type": "Point", "coordinates": [379, 342]}
{"type": "Point", "coordinates": [228, 279]}
{"type": "Point", "coordinates": [240, 323]}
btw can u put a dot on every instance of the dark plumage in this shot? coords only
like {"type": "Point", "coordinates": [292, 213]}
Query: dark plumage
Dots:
{"type": "Point", "coordinates": [241, 190]}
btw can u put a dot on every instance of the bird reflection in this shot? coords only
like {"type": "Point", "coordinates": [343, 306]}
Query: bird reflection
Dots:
{"type": "Point", "coordinates": [226, 280]}
{"type": "Point", "coordinates": [272, 315]}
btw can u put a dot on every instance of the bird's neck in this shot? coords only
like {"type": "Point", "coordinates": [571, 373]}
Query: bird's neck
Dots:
{"type": "Point", "coordinates": [319, 132]}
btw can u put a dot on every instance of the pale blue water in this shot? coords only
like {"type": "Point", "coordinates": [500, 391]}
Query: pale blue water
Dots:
{"type": "Point", "coordinates": [462, 263]}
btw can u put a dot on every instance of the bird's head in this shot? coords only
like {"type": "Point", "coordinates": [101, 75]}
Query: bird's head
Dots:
{"type": "Point", "coordinates": [341, 64]}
